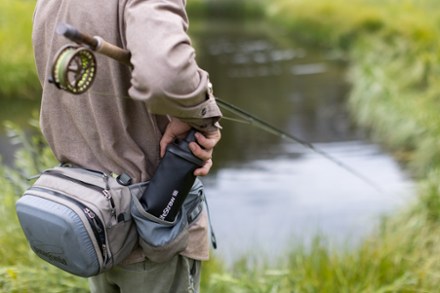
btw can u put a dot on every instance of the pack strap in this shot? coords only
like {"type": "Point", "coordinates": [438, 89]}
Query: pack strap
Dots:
{"type": "Point", "coordinates": [196, 210]}
{"type": "Point", "coordinates": [213, 237]}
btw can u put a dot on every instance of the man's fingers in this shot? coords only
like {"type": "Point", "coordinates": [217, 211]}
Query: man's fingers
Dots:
{"type": "Point", "coordinates": [202, 153]}
{"type": "Point", "coordinates": [209, 140]}
{"type": "Point", "coordinates": [175, 128]}
{"type": "Point", "coordinates": [204, 170]}
{"type": "Point", "coordinates": [202, 149]}
{"type": "Point", "coordinates": [165, 140]}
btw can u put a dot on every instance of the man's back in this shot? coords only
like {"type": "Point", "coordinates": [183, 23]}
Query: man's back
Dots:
{"type": "Point", "coordinates": [104, 128]}
{"type": "Point", "coordinates": [111, 127]}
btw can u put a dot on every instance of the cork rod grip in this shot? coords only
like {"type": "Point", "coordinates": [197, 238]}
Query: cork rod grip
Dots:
{"type": "Point", "coordinates": [112, 51]}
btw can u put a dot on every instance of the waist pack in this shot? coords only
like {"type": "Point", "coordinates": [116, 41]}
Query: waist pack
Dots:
{"type": "Point", "coordinates": [78, 220]}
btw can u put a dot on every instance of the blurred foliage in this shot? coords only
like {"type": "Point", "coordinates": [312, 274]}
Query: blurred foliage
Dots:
{"type": "Point", "coordinates": [20, 269]}
{"type": "Point", "coordinates": [393, 50]}
{"type": "Point", "coordinates": [18, 77]}
{"type": "Point", "coordinates": [226, 9]}
{"type": "Point", "coordinates": [339, 23]}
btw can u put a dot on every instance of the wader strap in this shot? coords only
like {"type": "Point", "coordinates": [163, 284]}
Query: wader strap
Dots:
{"type": "Point", "coordinates": [195, 211]}
{"type": "Point", "coordinates": [213, 238]}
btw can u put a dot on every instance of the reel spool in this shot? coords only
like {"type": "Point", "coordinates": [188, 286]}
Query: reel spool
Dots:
{"type": "Point", "coordinates": [73, 69]}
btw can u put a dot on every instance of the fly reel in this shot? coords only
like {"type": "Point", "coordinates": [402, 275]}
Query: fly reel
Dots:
{"type": "Point", "coordinates": [73, 69]}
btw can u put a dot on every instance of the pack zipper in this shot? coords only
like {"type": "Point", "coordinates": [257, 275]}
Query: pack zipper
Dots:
{"type": "Point", "coordinates": [94, 221]}
{"type": "Point", "coordinates": [102, 190]}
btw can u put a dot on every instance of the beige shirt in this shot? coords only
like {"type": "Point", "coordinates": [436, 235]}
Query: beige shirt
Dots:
{"type": "Point", "coordinates": [117, 124]}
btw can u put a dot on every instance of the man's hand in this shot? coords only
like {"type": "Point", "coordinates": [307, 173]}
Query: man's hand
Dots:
{"type": "Point", "coordinates": [175, 129]}
{"type": "Point", "coordinates": [202, 149]}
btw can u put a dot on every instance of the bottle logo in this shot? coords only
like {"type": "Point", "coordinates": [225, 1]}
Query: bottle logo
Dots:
{"type": "Point", "coordinates": [170, 204]}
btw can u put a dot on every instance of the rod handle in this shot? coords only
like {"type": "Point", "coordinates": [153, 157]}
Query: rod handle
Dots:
{"type": "Point", "coordinates": [76, 36]}
{"type": "Point", "coordinates": [96, 43]}
{"type": "Point", "coordinates": [112, 51]}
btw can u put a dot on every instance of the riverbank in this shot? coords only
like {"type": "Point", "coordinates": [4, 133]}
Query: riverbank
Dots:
{"type": "Point", "coordinates": [393, 51]}
{"type": "Point", "coordinates": [392, 48]}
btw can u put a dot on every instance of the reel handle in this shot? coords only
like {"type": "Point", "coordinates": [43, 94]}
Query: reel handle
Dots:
{"type": "Point", "coordinates": [96, 43]}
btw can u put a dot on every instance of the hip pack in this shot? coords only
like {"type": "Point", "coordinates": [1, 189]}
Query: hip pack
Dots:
{"type": "Point", "coordinates": [78, 220]}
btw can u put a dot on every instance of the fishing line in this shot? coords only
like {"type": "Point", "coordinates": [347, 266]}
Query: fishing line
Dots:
{"type": "Point", "coordinates": [255, 121]}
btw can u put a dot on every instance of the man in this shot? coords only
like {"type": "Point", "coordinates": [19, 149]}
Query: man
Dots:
{"type": "Point", "coordinates": [124, 122]}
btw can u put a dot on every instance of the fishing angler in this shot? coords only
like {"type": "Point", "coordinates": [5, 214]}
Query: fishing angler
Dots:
{"type": "Point", "coordinates": [125, 198]}
{"type": "Point", "coordinates": [83, 78]}
{"type": "Point", "coordinates": [107, 211]}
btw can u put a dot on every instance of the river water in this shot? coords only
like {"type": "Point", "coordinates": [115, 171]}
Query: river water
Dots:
{"type": "Point", "coordinates": [267, 194]}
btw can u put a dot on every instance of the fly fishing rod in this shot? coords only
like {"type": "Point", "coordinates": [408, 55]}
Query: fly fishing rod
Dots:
{"type": "Point", "coordinates": [74, 69]}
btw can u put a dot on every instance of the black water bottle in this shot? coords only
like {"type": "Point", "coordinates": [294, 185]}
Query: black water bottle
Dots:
{"type": "Point", "coordinates": [172, 181]}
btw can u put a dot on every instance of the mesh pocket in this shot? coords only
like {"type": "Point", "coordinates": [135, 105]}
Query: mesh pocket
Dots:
{"type": "Point", "coordinates": [159, 239]}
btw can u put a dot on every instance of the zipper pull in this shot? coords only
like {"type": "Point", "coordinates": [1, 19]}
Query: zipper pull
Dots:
{"type": "Point", "coordinates": [106, 194]}
{"type": "Point", "coordinates": [89, 213]}
{"type": "Point", "coordinates": [106, 177]}
{"type": "Point", "coordinates": [105, 253]}
{"type": "Point", "coordinates": [109, 197]}
{"type": "Point", "coordinates": [92, 216]}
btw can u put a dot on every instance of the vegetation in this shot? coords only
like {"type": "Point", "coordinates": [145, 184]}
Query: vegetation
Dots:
{"type": "Point", "coordinates": [393, 50]}
{"type": "Point", "coordinates": [230, 9]}
{"type": "Point", "coordinates": [17, 75]}
{"type": "Point", "coordinates": [20, 269]}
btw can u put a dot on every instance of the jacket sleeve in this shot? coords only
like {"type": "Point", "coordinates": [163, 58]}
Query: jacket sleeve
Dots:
{"type": "Point", "coordinates": [165, 74]}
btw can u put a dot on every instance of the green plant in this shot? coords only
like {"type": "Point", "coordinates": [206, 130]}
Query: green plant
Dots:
{"type": "Point", "coordinates": [17, 77]}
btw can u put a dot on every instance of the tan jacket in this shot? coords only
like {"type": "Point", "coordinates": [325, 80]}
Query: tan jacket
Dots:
{"type": "Point", "coordinates": [116, 126]}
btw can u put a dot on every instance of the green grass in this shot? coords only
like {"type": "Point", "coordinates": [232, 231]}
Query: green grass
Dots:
{"type": "Point", "coordinates": [17, 76]}
{"type": "Point", "coordinates": [393, 50]}
{"type": "Point", "coordinates": [392, 47]}
{"type": "Point", "coordinates": [233, 10]}
{"type": "Point", "coordinates": [20, 269]}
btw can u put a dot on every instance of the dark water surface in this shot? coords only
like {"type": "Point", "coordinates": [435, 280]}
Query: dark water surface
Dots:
{"type": "Point", "coordinates": [266, 194]}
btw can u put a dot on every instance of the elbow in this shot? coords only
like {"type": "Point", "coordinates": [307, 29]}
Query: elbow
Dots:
{"type": "Point", "coordinates": [177, 81]}
{"type": "Point", "coordinates": [164, 76]}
